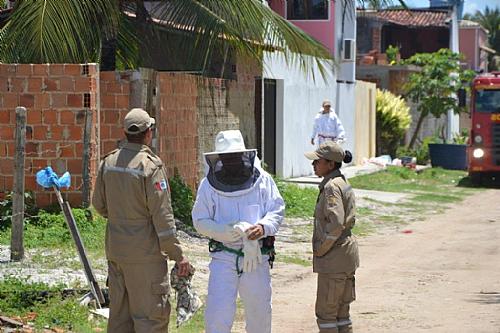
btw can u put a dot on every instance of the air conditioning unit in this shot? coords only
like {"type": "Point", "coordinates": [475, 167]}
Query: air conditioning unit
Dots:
{"type": "Point", "coordinates": [349, 50]}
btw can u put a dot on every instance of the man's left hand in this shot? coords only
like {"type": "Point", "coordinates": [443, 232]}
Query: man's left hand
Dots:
{"type": "Point", "coordinates": [183, 266]}
{"type": "Point", "coordinates": [255, 232]}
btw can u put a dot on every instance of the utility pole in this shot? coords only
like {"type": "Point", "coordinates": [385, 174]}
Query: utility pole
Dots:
{"type": "Point", "coordinates": [453, 120]}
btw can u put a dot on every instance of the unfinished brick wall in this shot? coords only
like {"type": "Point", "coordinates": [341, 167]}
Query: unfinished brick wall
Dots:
{"type": "Point", "coordinates": [177, 124]}
{"type": "Point", "coordinates": [58, 98]}
{"type": "Point", "coordinates": [115, 103]}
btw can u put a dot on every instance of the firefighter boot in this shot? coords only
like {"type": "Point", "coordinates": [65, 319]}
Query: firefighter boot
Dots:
{"type": "Point", "coordinates": [344, 325]}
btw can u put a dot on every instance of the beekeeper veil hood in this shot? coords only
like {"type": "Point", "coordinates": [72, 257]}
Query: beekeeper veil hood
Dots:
{"type": "Point", "coordinates": [231, 165]}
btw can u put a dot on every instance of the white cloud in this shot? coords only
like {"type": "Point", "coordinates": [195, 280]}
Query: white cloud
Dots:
{"type": "Point", "coordinates": [470, 7]}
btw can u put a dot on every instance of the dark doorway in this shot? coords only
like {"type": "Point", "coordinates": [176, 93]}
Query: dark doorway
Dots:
{"type": "Point", "coordinates": [265, 122]}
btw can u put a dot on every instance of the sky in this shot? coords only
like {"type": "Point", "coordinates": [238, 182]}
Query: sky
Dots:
{"type": "Point", "coordinates": [470, 6]}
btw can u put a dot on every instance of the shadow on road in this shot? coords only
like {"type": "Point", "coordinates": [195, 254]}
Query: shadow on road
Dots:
{"type": "Point", "coordinates": [486, 297]}
{"type": "Point", "coordinates": [486, 182]}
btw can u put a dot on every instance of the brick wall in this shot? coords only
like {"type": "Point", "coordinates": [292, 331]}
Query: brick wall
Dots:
{"type": "Point", "coordinates": [57, 98]}
{"type": "Point", "coordinates": [114, 98]}
{"type": "Point", "coordinates": [177, 124]}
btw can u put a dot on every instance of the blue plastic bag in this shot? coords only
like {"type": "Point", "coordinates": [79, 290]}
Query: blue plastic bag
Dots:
{"type": "Point", "coordinates": [48, 178]}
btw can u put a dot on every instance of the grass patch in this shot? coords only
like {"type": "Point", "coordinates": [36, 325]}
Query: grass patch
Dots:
{"type": "Point", "coordinates": [293, 260]}
{"type": "Point", "coordinates": [299, 201]}
{"type": "Point", "coordinates": [44, 306]}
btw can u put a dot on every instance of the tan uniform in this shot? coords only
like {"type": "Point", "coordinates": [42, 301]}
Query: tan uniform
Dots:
{"type": "Point", "coordinates": [335, 253]}
{"type": "Point", "coordinates": [132, 191]}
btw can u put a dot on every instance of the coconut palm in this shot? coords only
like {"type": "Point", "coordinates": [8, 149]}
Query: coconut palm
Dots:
{"type": "Point", "coordinates": [490, 20]}
{"type": "Point", "coordinates": [71, 31]}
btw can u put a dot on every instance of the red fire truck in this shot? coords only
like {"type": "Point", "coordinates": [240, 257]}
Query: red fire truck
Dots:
{"type": "Point", "coordinates": [484, 143]}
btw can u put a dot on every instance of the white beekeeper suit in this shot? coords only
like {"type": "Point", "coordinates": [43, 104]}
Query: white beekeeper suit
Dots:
{"type": "Point", "coordinates": [222, 211]}
{"type": "Point", "coordinates": [327, 126]}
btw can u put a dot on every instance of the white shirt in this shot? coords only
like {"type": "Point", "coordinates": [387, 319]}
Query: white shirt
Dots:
{"type": "Point", "coordinates": [327, 126]}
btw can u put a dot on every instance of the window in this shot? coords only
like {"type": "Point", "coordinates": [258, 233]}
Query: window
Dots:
{"type": "Point", "coordinates": [307, 9]}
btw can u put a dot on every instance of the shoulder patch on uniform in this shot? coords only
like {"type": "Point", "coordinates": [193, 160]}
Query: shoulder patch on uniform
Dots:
{"type": "Point", "coordinates": [162, 185]}
{"type": "Point", "coordinates": [331, 200]}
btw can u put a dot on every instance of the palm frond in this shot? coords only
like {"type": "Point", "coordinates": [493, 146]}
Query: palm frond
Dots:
{"type": "Point", "coordinates": [57, 30]}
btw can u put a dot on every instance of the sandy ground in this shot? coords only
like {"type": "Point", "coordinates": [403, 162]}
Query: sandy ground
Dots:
{"type": "Point", "coordinates": [441, 275]}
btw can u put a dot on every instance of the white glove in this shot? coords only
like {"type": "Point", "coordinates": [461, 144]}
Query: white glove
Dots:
{"type": "Point", "coordinates": [251, 248]}
{"type": "Point", "coordinates": [220, 232]}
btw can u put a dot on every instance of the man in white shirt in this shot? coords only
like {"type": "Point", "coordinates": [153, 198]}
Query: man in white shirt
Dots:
{"type": "Point", "coordinates": [240, 209]}
{"type": "Point", "coordinates": [327, 126]}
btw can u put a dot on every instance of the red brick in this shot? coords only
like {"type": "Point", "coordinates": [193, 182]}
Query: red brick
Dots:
{"type": "Point", "coordinates": [58, 100]}
{"type": "Point", "coordinates": [114, 87]}
{"type": "Point", "coordinates": [34, 117]}
{"type": "Point", "coordinates": [75, 100]}
{"type": "Point", "coordinates": [66, 117]}
{"type": "Point", "coordinates": [43, 199]}
{"type": "Point", "coordinates": [67, 151]}
{"type": "Point", "coordinates": [29, 132]}
{"type": "Point", "coordinates": [41, 69]}
{"type": "Point", "coordinates": [38, 164]}
{"type": "Point", "coordinates": [27, 100]}
{"type": "Point", "coordinates": [42, 100]}
{"type": "Point", "coordinates": [82, 84]}
{"type": "Point", "coordinates": [75, 198]}
{"type": "Point", "coordinates": [7, 132]}
{"type": "Point", "coordinates": [49, 149]}
{"type": "Point", "coordinates": [75, 166]}
{"type": "Point", "coordinates": [49, 117]}
{"type": "Point", "coordinates": [80, 117]}
{"type": "Point", "coordinates": [78, 149]}
{"type": "Point", "coordinates": [7, 69]}
{"type": "Point", "coordinates": [24, 69]}
{"type": "Point", "coordinates": [31, 148]}
{"type": "Point", "coordinates": [108, 101]}
{"type": "Point", "coordinates": [122, 101]}
{"type": "Point", "coordinates": [30, 183]}
{"type": "Point", "coordinates": [116, 132]}
{"type": "Point", "coordinates": [66, 84]}
{"type": "Point", "coordinates": [40, 132]}
{"type": "Point", "coordinates": [4, 116]}
{"type": "Point", "coordinates": [108, 146]}
{"type": "Point", "coordinates": [50, 84]}
{"type": "Point", "coordinates": [7, 166]}
{"type": "Point", "coordinates": [18, 85]}
{"type": "Point", "coordinates": [75, 132]}
{"type": "Point", "coordinates": [9, 183]}
{"type": "Point", "coordinates": [72, 69]}
{"type": "Point", "coordinates": [111, 117]}
{"type": "Point", "coordinates": [35, 84]}
{"type": "Point", "coordinates": [55, 132]}
{"type": "Point", "coordinates": [107, 76]}
{"type": "Point", "coordinates": [56, 69]}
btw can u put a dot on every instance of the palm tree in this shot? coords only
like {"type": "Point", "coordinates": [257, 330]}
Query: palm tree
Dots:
{"type": "Point", "coordinates": [490, 20]}
{"type": "Point", "coordinates": [73, 31]}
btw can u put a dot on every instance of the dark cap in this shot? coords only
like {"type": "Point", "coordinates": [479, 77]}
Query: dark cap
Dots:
{"type": "Point", "coordinates": [328, 150]}
{"type": "Point", "coordinates": [137, 121]}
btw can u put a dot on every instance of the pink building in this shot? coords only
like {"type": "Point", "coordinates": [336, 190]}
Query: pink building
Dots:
{"type": "Point", "coordinates": [473, 45]}
{"type": "Point", "coordinates": [316, 17]}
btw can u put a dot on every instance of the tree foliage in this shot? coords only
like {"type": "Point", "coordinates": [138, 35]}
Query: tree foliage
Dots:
{"type": "Point", "coordinates": [490, 20]}
{"type": "Point", "coordinates": [393, 119]}
{"type": "Point", "coordinates": [434, 87]}
{"type": "Point", "coordinates": [51, 31]}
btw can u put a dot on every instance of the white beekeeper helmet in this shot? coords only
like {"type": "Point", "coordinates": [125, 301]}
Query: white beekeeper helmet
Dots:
{"type": "Point", "coordinates": [230, 141]}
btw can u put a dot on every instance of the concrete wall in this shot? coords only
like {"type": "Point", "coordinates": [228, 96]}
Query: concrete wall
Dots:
{"type": "Point", "coordinates": [299, 100]}
{"type": "Point", "coordinates": [365, 120]}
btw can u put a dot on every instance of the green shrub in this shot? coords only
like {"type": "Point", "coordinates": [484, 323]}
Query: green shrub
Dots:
{"type": "Point", "coordinates": [30, 209]}
{"type": "Point", "coordinates": [392, 54]}
{"type": "Point", "coordinates": [182, 199]}
{"type": "Point", "coordinates": [393, 119]}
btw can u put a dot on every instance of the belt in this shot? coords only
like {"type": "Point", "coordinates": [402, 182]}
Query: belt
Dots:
{"type": "Point", "coordinates": [326, 136]}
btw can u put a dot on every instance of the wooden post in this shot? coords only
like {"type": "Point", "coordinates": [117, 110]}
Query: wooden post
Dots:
{"type": "Point", "coordinates": [86, 159]}
{"type": "Point", "coordinates": [16, 243]}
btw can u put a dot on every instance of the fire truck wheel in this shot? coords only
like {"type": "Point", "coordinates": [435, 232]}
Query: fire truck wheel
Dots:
{"type": "Point", "coordinates": [475, 178]}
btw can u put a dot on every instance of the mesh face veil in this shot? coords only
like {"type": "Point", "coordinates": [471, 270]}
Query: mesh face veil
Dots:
{"type": "Point", "coordinates": [230, 172]}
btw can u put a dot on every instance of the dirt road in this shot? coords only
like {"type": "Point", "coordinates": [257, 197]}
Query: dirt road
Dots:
{"type": "Point", "coordinates": [441, 275]}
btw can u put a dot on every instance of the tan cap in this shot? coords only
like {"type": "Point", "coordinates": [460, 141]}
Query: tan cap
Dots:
{"type": "Point", "coordinates": [328, 150]}
{"type": "Point", "coordinates": [137, 121]}
{"type": "Point", "coordinates": [327, 102]}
